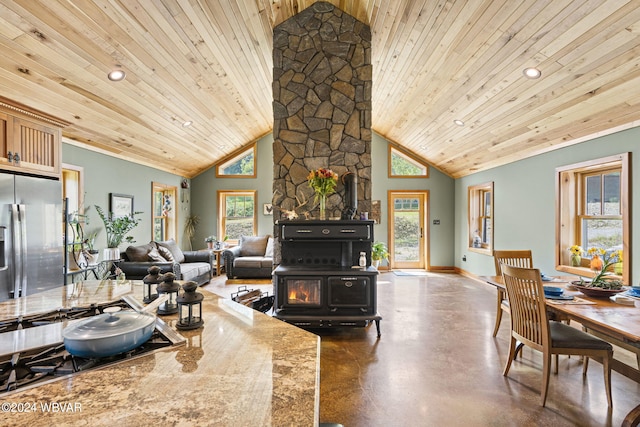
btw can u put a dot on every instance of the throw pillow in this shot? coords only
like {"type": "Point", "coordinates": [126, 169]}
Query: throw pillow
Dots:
{"type": "Point", "coordinates": [166, 254]}
{"type": "Point", "coordinates": [253, 245]}
{"type": "Point", "coordinates": [172, 246]}
{"type": "Point", "coordinates": [269, 251]}
{"type": "Point", "coordinates": [138, 253]}
{"type": "Point", "coordinates": [154, 255]}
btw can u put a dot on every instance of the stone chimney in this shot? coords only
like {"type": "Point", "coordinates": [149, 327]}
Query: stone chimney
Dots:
{"type": "Point", "coordinates": [321, 106]}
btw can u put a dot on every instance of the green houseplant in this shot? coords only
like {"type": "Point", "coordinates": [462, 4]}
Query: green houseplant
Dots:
{"type": "Point", "coordinates": [210, 240]}
{"type": "Point", "coordinates": [117, 229]}
{"type": "Point", "coordinates": [379, 252]}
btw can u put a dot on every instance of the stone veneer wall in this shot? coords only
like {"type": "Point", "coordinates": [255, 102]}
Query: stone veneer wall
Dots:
{"type": "Point", "coordinates": [321, 106]}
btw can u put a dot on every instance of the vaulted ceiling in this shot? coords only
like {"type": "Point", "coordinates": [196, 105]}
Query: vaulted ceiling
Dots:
{"type": "Point", "coordinates": [209, 62]}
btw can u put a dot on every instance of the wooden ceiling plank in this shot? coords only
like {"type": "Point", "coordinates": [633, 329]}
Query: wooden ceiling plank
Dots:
{"type": "Point", "coordinates": [491, 65]}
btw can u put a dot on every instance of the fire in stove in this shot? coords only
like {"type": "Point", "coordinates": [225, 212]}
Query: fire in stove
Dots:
{"type": "Point", "coordinates": [304, 292]}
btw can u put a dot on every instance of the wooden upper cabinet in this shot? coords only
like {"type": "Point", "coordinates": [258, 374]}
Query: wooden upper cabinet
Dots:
{"type": "Point", "coordinates": [30, 141]}
{"type": "Point", "coordinates": [6, 122]}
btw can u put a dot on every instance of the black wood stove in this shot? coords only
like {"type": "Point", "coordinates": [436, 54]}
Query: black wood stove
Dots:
{"type": "Point", "coordinates": [319, 282]}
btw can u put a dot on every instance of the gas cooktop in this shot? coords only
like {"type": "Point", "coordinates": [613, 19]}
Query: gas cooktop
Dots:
{"type": "Point", "coordinates": [32, 351]}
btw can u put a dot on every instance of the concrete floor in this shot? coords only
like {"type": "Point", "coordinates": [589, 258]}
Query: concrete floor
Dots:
{"type": "Point", "coordinates": [437, 364]}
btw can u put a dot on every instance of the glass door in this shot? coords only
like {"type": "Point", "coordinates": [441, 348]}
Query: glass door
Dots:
{"type": "Point", "coordinates": [407, 223]}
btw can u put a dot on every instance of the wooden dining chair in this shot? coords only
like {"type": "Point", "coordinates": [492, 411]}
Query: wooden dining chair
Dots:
{"type": "Point", "coordinates": [530, 325]}
{"type": "Point", "coordinates": [633, 418]}
{"type": "Point", "coordinates": [517, 258]}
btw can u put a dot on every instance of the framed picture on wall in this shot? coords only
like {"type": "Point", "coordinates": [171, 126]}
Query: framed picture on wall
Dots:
{"type": "Point", "coordinates": [120, 205]}
{"type": "Point", "coordinates": [267, 209]}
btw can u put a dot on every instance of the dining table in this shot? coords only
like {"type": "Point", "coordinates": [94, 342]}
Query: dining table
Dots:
{"type": "Point", "coordinates": [605, 318]}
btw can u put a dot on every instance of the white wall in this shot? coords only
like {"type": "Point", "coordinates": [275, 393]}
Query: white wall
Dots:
{"type": "Point", "coordinates": [440, 186]}
{"type": "Point", "coordinates": [106, 174]}
{"type": "Point", "coordinates": [524, 203]}
{"type": "Point", "coordinates": [205, 186]}
{"type": "Point", "coordinates": [441, 202]}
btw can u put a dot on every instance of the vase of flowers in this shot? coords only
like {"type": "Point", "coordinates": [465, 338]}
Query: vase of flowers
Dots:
{"type": "Point", "coordinates": [576, 255]}
{"type": "Point", "coordinates": [323, 181]}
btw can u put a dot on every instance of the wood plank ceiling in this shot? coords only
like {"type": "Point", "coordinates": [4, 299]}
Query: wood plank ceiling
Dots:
{"type": "Point", "coordinates": [209, 61]}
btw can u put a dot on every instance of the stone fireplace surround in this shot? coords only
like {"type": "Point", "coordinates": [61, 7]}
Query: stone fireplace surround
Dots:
{"type": "Point", "coordinates": [322, 78]}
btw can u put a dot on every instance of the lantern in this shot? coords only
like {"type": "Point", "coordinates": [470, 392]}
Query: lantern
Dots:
{"type": "Point", "coordinates": [168, 286]}
{"type": "Point", "coordinates": [189, 307]}
{"type": "Point", "coordinates": [150, 284]}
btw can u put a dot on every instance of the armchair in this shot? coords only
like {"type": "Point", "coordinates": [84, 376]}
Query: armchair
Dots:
{"type": "Point", "coordinates": [252, 258]}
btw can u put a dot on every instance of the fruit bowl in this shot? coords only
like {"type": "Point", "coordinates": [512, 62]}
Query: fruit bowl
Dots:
{"type": "Point", "coordinates": [595, 292]}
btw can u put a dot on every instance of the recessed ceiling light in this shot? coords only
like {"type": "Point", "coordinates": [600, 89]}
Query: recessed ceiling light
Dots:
{"type": "Point", "coordinates": [187, 124]}
{"type": "Point", "coordinates": [458, 122]}
{"type": "Point", "coordinates": [532, 73]}
{"type": "Point", "coordinates": [116, 75]}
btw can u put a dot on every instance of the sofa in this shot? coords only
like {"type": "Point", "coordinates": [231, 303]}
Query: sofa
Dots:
{"type": "Point", "coordinates": [186, 265]}
{"type": "Point", "coordinates": [252, 258]}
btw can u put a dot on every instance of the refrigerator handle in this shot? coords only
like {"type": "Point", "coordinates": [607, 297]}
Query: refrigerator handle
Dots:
{"type": "Point", "coordinates": [18, 229]}
{"type": "Point", "coordinates": [22, 211]}
{"type": "Point", "coordinates": [4, 254]}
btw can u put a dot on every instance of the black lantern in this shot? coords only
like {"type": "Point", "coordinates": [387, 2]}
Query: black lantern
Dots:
{"type": "Point", "coordinates": [169, 287]}
{"type": "Point", "coordinates": [150, 282]}
{"type": "Point", "coordinates": [189, 307]}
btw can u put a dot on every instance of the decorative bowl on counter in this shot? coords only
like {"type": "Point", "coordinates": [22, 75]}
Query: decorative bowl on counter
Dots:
{"type": "Point", "coordinates": [595, 292]}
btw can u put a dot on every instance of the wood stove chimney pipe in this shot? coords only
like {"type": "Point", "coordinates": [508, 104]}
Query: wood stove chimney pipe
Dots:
{"type": "Point", "coordinates": [350, 181]}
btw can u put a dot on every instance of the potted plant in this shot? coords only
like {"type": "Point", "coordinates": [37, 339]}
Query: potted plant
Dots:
{"type": "Point", "coordinates": [89, 244]}
{"type": "Point", "coordinates": [602, 284]}
{"type": "Point", "coordinates": [210, 240]}
{"type": "Point", "coordinates": [75, 241]}
{"type": "Point", "coordinates": [117, 228]}
{"type": "Point", "coordinates": [379, 252]}
{"type": "Point", "coordinates": [602, 267]}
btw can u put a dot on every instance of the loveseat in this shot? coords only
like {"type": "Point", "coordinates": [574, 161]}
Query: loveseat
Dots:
{"type": "Point", "coordinates": [252, 258]}
{"type": "Point", "coordinates": [186, 265]}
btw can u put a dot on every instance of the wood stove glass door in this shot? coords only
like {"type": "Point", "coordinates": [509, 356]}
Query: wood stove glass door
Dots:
{"type": "Point", "coordinates": [303, 291]}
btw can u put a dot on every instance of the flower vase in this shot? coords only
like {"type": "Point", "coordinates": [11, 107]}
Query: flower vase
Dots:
{"type": "Point", "coordinates": [576, 260]}
{"type": "Point", "coordinates": [323, 203]}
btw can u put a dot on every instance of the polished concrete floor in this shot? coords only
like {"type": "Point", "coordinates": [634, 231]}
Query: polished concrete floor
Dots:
{"type": "Point", "coordinates": [437, 364]}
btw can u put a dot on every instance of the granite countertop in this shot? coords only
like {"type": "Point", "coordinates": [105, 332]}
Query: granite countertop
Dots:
{"type": "Point", "coordinates": [242, 368]}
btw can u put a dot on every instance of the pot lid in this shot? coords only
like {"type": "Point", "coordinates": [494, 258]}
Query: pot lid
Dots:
{"type": "Point", "coordinates": [107, 325]}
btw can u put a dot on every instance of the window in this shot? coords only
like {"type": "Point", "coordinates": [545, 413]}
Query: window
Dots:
{"type": "Point", "coordinates": [238, 214]}
{"type": "Point", "coordinates": [72, 183]}
{"type": "Point", "coordinates": [403, 165]}
{"type": "Point", "coordinates": [164, 212]}
{"type": "Point", "coordinates": [600, 215]}
{"type": "Point", "coordinates": [593, 210]}
{"type": "Point", "coordinates": [239, 165]}
{"type": "Point", "coordinates": [480, 200]}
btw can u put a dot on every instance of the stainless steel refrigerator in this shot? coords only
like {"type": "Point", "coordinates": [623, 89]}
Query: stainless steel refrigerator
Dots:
{"type": "Point", "coordinates": [31, 243]}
